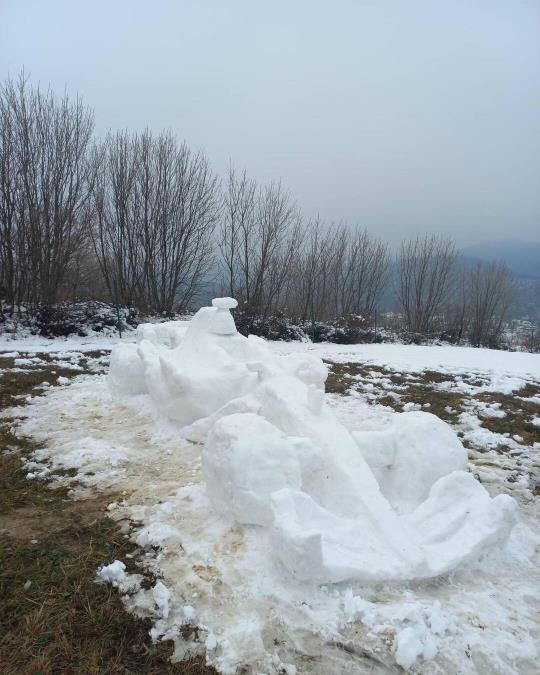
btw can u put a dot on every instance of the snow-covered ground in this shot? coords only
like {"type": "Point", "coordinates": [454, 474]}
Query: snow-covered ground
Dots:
{"type": "Point", "coordinates": [407, 358]}
{"type": "Point", "coordinates": [483, 618]}
{"type": "Point", "coordinates": [501, 365]}
{"type": "Point", "coordinates": [73, 343]}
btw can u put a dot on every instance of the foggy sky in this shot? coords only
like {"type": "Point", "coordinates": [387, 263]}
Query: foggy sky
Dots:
{"type": "Point", "coordinates": [405, 116]}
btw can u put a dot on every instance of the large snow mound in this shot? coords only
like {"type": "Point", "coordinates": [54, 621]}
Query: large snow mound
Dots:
{"type": "Point", "coordinates": [392, 504]}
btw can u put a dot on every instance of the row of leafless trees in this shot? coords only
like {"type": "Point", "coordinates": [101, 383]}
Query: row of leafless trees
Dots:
{"type": "Point", "coordinates": [144, 221]}
{"type": "Point", "coordinates": [273, 260]}
{"type": "Point", "coordinates": [437, 295]}
{"type": "Point", "coordinates": [138, 210]}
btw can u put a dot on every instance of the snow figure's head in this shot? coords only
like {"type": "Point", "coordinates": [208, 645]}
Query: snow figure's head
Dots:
{"type": "Point", "coordinates": [223, 323]}
{"type": "Point", "coordinates": [215, 320]}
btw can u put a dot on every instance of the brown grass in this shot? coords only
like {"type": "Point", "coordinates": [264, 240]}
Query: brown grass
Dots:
{"type": "Point", "coordinates": [419, 390]}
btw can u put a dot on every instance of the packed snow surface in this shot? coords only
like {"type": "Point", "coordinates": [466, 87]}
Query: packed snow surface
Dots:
{"type": "Point", "coordinates": [505, 371]}
{"type": "Point", "coordinates": [292, 529]}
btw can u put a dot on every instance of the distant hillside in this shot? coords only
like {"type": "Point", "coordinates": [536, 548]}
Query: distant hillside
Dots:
{"type": "Point", "coordinates": [522, 257]}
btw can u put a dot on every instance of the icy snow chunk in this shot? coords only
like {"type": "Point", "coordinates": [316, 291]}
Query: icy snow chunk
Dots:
{"type": "Point", "coordinates": [459, 521]}
{"type": "Point", "coordinates": [126, 375]}
{"type": "Point", "coordinates": [115, 574]}
{"type": "Point", "coordinates": [197, 378]}
{"type": "Point", "coordinates": [223, 323]}
{"type": "Point", "coordinates": [422, 637]}
{"type": "Point", "coordinates": [156, 534]}
{"type": "Point", "coordinates": [409, 646]}
{"type": "Point", "coordinates": [307, 368]}
{"type": "Point", "coordinates": [211, 642]}
{"type": "Point", "coordinates": [409, 407]}
{"type": "Point", "coordinates": [245, 459]}
{"type": "Point", "coordinates": [418, 627]}
{"type": "Point", "coordinates": [225, 303]}
{"type": "Point", "coordinates": [189, 613]}
{"type": "Point", "coordinates": [243, 636]}
{"type": "Point", "coordinates": [161, 595]}
{"type": "Point", "coordinates": [315, 544]}
{"type": "Point", "coordinates": [168, 334]}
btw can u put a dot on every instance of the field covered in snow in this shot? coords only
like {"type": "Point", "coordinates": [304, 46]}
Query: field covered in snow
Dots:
{"type": "Point", "coordinates": [220, 589]}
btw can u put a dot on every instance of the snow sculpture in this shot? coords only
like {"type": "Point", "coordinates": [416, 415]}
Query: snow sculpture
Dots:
{"type": "Point", "coordinates": [394, 504]}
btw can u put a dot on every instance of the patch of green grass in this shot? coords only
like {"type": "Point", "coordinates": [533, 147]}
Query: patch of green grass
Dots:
{"type": "Point", "coordinates": [445, 403]}
{"type": "Point", "coordinates": [16, 491]}
{"type": "Point", "coordinates": [65, 622]}
{"type": "Point", "coordinates": [518, 414]}
{"type": "Point", "coordinates": [420, 390]}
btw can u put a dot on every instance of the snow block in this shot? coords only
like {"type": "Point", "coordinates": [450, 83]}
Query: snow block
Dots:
{"type": "Point", "coordinates": [410, 455]}
{"type": "Point", "coordinates": [126, 375]}
{"type": "Point", "coordinates": [245, 459]}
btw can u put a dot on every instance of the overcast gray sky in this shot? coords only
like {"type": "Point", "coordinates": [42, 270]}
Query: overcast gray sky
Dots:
{"type": "Point", "coordinates": [403, 115]}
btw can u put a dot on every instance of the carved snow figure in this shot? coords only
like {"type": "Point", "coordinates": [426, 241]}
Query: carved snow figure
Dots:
{"type": "Point", "coordinates": [394, 504]}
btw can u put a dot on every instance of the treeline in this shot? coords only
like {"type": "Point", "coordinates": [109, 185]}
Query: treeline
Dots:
{"type": "Point", "coordinates": [143, 221]}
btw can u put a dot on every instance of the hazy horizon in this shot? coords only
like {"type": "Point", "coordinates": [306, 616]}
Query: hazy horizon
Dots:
{"type": "Point", "coordinates": [403, 118]}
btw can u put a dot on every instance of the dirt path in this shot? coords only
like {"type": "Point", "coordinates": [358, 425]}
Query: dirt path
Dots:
{"type": "Point", "coordinates": [54, 617]}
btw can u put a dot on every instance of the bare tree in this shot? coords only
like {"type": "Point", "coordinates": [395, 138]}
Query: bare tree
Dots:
{"type": "Point", "coordinates": [310, 288]}
{"type": "Point", "coordinates": [114, 235]}
{"type": "Point", "coordinates": [360, 272]}
{"type": "Point", "coordinates": [12, 245]}
{"type": "Point", "coordinates": [236, 231]}
{"type": "Point", "coordinates": [44, 185]}
{"type": "Point", "coordinates": [490, 291]}
{"type": "Point", "coordinates": [260, 235]}
{"type": "Point", "coordinates": [424, 275]}
{"type": "Point", "coordinates": [156, 205]}
{"type": "Point", "coordinates": [278, 237]}
{"type": "Point", "coordinates": [456, 309]}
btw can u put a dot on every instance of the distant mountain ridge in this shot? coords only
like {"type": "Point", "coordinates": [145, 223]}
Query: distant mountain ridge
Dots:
{"type": "Point", "coordinates": [522, 257]}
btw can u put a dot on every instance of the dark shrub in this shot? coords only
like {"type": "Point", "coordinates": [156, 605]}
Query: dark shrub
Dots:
{"type": "Point", "coordinates": [76, 318]}
{"type": "Point", "coordinates": [275, 327]}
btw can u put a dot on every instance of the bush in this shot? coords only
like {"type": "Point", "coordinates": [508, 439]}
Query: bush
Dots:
{"type": "Point", "coordinates": [348, 330]}
{"type": "Point", "coordinates": [275, 327]}
{"type": "Point", "coordinates": [81, 317]}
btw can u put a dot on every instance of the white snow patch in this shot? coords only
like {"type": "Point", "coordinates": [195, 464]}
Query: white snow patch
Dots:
{"type": "Point", "coordinates": [161, 595]}
{"type": "Point", "coordinates": [115, 574]}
